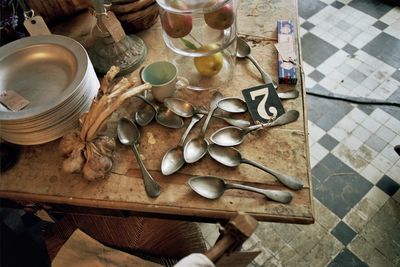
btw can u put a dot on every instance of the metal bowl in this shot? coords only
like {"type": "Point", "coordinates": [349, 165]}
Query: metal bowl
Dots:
{"type": "Point", "coordinates": [46, 70]}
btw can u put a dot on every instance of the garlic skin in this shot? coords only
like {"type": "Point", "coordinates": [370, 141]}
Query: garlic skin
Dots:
{"type": "Point", "coordinates": [69, 142]}
{"type": "Point", "coordinates": [97, 165]}
{"type": "Point", "coordinates": [105, 145]}
{"type": "Point", "coordinates": [85, 150]}
{"type": "Point", "coordinates": [74, 163]}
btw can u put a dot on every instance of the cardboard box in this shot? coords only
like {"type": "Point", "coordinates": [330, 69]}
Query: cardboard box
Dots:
{"type": "Point", "coordinates": [287, 71]}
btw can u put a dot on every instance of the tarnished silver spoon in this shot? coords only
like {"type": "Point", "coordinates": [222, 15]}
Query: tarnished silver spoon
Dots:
{"type": "Point", "coordinates": [196, 148]}
{"type": "Point", "coordinates": [233, 136]}
{"type": "Point", "coordinates": [289, 94]}
{"type": "Point", "coordinates": [164, 116]}
{"type": "Point", "coordinates": [129, 134]}
{"type": "Point", "coordinates": [231, 157]}
{"type": "Point", "coordinates": [232, 104]}
{"type": "Point", "coordinates": [185, 109]}
{"type": "Point", "coordinates": [146, 114]}
{"type": "Point", "coordinates": [173, 159]}
{"type": "Point", "coordinates": [243, 51]}
{"type": "Point", "coordinates": [212, 187]}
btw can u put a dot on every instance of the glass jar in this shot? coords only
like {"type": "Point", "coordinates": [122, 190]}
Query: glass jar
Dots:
{"type": "Point", "coordinates": [201, 35]}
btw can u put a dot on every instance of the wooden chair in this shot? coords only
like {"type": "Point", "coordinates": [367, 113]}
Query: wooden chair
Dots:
{"type": "Point", "coordinates": [157, 240]}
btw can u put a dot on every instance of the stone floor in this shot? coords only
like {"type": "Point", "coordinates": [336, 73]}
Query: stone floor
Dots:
{"type": "Point", "coordinates": [351, 48]}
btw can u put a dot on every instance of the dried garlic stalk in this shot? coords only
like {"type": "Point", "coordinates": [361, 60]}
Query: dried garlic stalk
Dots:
{"type": "Point", "coordinates": [85, 150]}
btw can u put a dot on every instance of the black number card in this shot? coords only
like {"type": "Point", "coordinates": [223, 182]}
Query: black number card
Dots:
{"type": "Point", "coordinates": [263, 103]}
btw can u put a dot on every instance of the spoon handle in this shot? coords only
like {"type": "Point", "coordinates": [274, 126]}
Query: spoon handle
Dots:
{"type": "Point", "coordinates": [289, 94]}
{"type": "Point", "coordinates": [150, 185]}
{"type": "Point", "coordinates": [275, 195]}
{"type": "Point", "coordinates": [234, 122]}
{"type": "Point", "coordinates": [205, 125]}
{"type": "Point", "coordinates": [265, 76]}
{"type": "Point", "coordinates": [289, 181]}
{"type": "Point", "coordinates": [194, 120]}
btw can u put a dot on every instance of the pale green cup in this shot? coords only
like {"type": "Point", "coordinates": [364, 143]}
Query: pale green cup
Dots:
{"type": "Point", "coordinates": [162, 75]}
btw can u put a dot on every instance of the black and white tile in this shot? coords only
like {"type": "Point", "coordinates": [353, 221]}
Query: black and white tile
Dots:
{"type": "Point", "coordinates": [350, 48]}
{"type": "Point", "coordinates": [356, 172]}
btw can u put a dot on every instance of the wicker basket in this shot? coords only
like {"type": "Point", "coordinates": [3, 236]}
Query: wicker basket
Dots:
{"type": "Point", "coordinates": [137, 15]}
{"type": "Point", "coordinates": [54, 12]}
{"type": "Point", "coordinates": [134, 15]}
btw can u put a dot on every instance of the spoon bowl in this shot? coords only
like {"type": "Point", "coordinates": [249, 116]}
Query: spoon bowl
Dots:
{"type": "Point", "coordinates": [243, 49]}
{"type": "Point", "coordinates": [228, 136]}
{"type": "Point", "coordinates": [212, 187]}
{"type": "Point", "coordinates": [129, 134]}
{"type": "Point", "coordinates": [233, 105]}
{"type": "Point", "coordinates": [174, 159]}
{"type": "Point", "coordinates": [208, 186]}
{"type": "Point", "coordinates": [167, 118]}
{"type": "Point", "coordinates": [145, 115]}
{"type": "Point", "coordinates": [180, 107]}
{"type": "Point", "coordinates": [195, 149]}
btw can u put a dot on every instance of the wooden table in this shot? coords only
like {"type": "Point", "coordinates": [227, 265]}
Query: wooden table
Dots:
{"type": "Point", "coordinates": [38, 176]}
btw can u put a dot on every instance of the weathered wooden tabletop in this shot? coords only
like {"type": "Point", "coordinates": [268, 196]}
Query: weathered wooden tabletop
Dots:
{"type": "Point", "coordinates": [38, 177]}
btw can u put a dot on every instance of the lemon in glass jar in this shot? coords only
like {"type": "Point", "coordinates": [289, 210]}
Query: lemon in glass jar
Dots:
{"type": "Point", "coordinates": [210, 65]}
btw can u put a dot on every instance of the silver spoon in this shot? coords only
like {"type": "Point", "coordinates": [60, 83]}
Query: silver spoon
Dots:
{"type": "Point", "coordinates": [292, 94]}
{"type": "Point", "coordinates": [243, 51]}
{"type": "Point", "coordinates": [232, 104]}
{"type": "Point", "coordinates": [196, 148]}
{"type": "Point", "coordinates": [212, 187]}
{"type": "Point", "coordinates": [146, 114]}
{"type": "Point", "coordinates": [173, 159]}
{"type": "Point", "coordinates": [164, 116]}
{"type": "Point", "coordinates": [231, 157]}
{"type": "Point", "coordinates": [129, 134]}
{"type": "Point", "coordinates": [233, 136]}
{"type": "Point", "coordinates": [185, 109]}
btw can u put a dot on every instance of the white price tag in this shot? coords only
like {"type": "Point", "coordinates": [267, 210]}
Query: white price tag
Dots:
{"type": "Point", "coordinates": [13, 101]}
{"type": "Point", "coordinates": [36, 26]}
{"type": "Point", "coordinates": [113, 26]}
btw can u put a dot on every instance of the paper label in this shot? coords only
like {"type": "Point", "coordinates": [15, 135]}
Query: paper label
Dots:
{"type": "Point", "coordinates": [113, 26]}
{"type": "Point", "coordinates": [263, 103]}
{"type": "Point", "coordinates": [286, 51]}
{"type": "Point", "coordinates": [13, 101]}
{"type": "Point", "coordinates": [36, 26]}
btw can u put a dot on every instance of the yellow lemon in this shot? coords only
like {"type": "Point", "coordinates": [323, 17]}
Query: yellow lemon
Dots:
{"type": "Point", "coordinates": [209, 65]}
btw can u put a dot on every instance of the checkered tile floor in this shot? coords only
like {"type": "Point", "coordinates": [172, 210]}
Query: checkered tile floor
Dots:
{"type": "Point", "coordinates": [350, 48]}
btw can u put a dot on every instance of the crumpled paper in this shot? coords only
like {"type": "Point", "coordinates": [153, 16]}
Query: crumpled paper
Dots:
{"type": "Point", "coordinates": [81, 250]}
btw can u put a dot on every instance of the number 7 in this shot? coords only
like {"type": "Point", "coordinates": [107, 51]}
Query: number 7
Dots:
{"type": "Point", "coordinates": [261, 106]}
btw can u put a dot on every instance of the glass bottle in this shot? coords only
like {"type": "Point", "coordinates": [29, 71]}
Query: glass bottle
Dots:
{"type": "Point", "coordinates": [112, 45]}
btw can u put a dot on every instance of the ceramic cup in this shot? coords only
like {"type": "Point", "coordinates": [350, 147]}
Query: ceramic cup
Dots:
{"type": "Point", "coordinates": [162, 75]}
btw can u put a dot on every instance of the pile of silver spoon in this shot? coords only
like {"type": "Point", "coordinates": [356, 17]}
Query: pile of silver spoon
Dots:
{"type": "Point", "coordinates": [221, 149]}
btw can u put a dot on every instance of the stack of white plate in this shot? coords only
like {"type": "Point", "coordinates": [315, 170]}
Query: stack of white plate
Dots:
{"type": "Point", "coordinates": [55, 75]}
